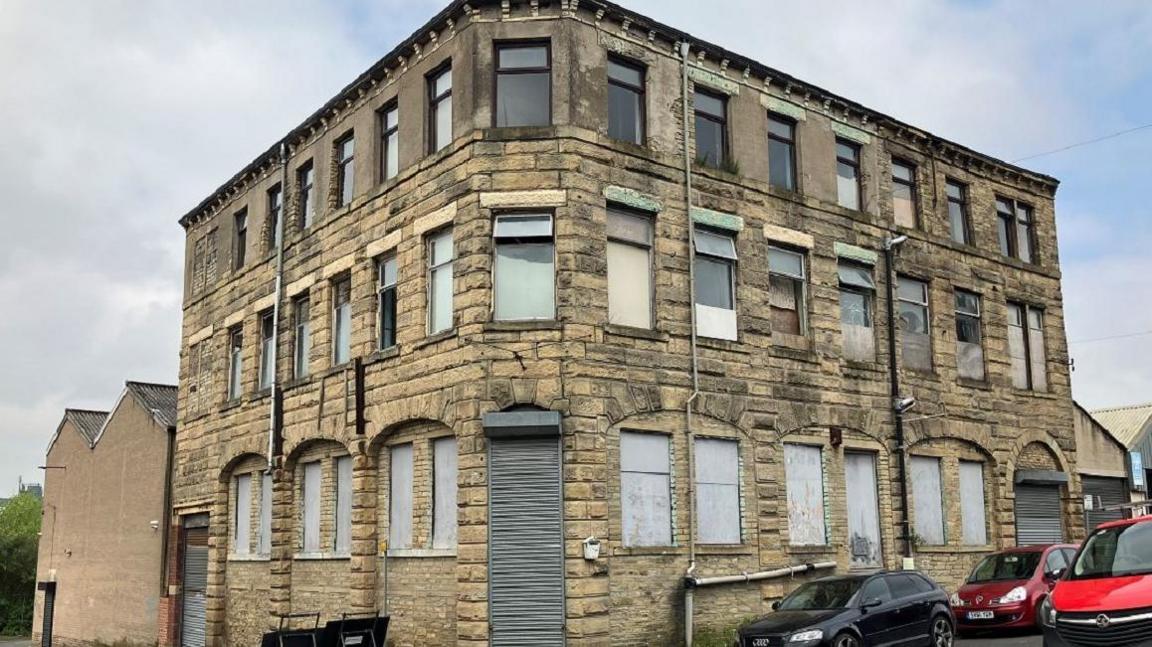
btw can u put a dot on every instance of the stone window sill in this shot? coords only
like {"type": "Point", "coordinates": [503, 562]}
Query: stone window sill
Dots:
{"type": "Point", "coordinates": [794, 353]}
{"type": "Point", "coordinates": [857, 365]}
{"type": "Point", "coordinates": [321, 556]}
{"type": "Point", "coordinates": [638, 333]}
{"type": "Point", "coordinates": [724, 549]}
{"type": "Point", "coordinates": [810, 550]}
{"type": "Point", "coordinates": [516, 326]}
{"type": "Point", "coordinates": [383, 354]}
{"type": "Point", "coordinates": [720, 344]}
{"type": "Point", "coordinates": [791, 341]}
{"type": "Point", "coordinates": [297, 382]}
{"type": "Point", "coordinates": [974, 383]}
{"type": "Point", "coordinates": [234, 403]}
{"type": "Point", "coordinates": [435, 338]}
{"type": "Point", "coordinates": [249, 558]}
{"type": "Point", "coordinates": [1033, 394]}
{"type": "Point", "coordinates": [420, 552]}
{"type": "Point", "coordinates": [646, 551]}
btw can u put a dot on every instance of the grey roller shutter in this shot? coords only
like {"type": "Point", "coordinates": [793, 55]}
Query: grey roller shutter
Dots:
{"type": "Point", "coordinates": [1038, 512]}
{"type": "Point", "coordinates": [526, 543]}
{"type": "Point", "coordinates": [195, 584]}
{"type": "Point", "coordinates": [1111, 492]}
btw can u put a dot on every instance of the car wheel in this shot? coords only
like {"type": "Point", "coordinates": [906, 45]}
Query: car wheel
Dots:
{"type": "Point", "coordinates": [845, 640]}
{"type": "Point", "coordinates": [942, 634]}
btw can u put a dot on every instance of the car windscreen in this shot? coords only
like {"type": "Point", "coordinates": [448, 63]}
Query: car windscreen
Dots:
{"type": "Point", "coordinates": [1115, 551]}
{"type": "Point", "coordinates": [827, 594]}
{"type": "Point", "coordinates": [1005, 566]}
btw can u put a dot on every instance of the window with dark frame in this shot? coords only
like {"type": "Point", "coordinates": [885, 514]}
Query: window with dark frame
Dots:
{"type": "Point", "coordinates": [904, 193]}
{"type": "Point", "coordinates": [915, 326]}
{"type": "Point", "coordinates": [305, 200]}
{"type": "Point", "coordinates": [275, 210]}
{"type": "Point", "coordinates": [386, 301]}
{"type": "Point", "coordinates": [957, 193]}
{"type": "Point", "coordinates": [235, 362]}
{"type": "Point", "coordinates": [523, 84]}
{"type": "Point", "coordinates": [626, 110]}
{"type": "Point", "coordinates": [969, 336]}
{"type": "Point", "coordinates": [524, 274]}
{"type": "Point", "coordinates": [345, 170]}
{"type": "Point", "coordinates": [267, 350]}
{"type": "Point", "coordinates": [302, 339]}
{"type": "Point", "coordinates": [341, 320]}
{"type": "Point", "coordinates": [1015, 230]}
{"type": "Point", "coordinates": [781, 152]}
{"type": "Point", "coordinates": [440, 108]}
{"type": "Point", "coordinates": [240, 251]}
{"type": "Point", "coordinates": [1026, 347]}
{"type": "Point", "coordinates": [848, 174]}
{"type": "Point", "coordinates": [787, 300]}
{"type": "Point", "coordinates": [389, 141]}
{"type": "Point", "coordinates": [711, 112]}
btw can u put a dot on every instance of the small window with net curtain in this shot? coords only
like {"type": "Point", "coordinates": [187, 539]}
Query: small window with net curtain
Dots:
{"type": "Point", "coordinates": [915, 329]}
{"type": "Point", "coordinates": [715, 269]}
{"type": "Point", "coordinates": [969, 337]}
{"type": "Point", "coordinates": [787, 298]}
{"type": "Point", "coordinates": [629, 268]}
{"type": "Point", "coordinates": [525, 267]}
{"type": "Point", "coordinates": [857, 294]}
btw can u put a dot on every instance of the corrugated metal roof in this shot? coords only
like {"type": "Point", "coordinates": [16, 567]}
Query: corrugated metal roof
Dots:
{"type": "Point", "coordinates": [159, 398]}
{"type": "Point", "coordinates": [88, 423]}
{"type": "Point", "coordinates": [1125, 423]}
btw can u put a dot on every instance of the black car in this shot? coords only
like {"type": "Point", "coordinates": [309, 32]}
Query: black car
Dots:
{"type": "Point", "coordinates": [898, 609]}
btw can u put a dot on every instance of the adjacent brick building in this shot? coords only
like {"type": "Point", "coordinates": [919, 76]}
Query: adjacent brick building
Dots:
{"type": "Point", "coordinates": [474, 351]}
{"type": "Point", "coordinates": [100, 564]}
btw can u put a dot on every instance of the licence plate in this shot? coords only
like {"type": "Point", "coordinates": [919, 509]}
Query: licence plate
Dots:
{"type": "Point", "coordinates": [981, 615]}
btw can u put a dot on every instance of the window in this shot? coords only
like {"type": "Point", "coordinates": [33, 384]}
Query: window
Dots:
{"type": "Point", "coordinates": [439, 109]}
{"type": "Point", "coordinates": [241, 240]}
{"type": "Point", "coordinates": [302, 342]}
{"type": "Point", "coordinates": [1054, 562]}
{"type": "Point", "coordinates": [781, 152]}
{"type": "Point", "coordinates": [1026, 347]}
{"type": "Point", "coordinates": [847, 174]}
{"type": "Point", "coordinates": [389, 142]}
{"type": "Point", "coordinates": [711, 128]}
{"type": "Point", "coordinates": [235, 362]}
{"type": "Point", "coordinates": [310, 514]}
{"type": "Point", "coordinates": [341, 320]}
{"type": "Point", "coordinates": [342, 543]}
{"type": "Point", "coordinates": [876, 589]}
{"type": "Point", "coordinates": [928, 500]}
{"type": "Point", "coordinates": [345, 170]}
{"type": "Point", "coordinates": [972, 512]}
{"type": "Point", "coordinates": [804, 472]}
{"type": "Point", "coordinates": [386, 301]}
{"type": "Point", "coordinates": [242, 523]}
{"type": "Point", "coordinates": [903, 586]}
{"type": "Point", "coordinates": [267, 350]}
{"type": "Point", "coordinates": [203, 271]}
{"type": "Point", "coordinates": [440, 253]}
{"type": "Point", "coordinates": [625, 100]}
{"type": "Point", "coordinates": [969, 337]}
{"type": "Point", "coordinates": [305, 180]}
{"type": "Point", "coordinates": [629, 269]}
{"type": "Point", "coordinates": [715, 269]}
{"type": "Point", "coordinates": [400, 498]}
{"type": "Point", "coordinates": [786, 299]}
{"type": "Point", "coordinates": [524, 267]}
{"type": "Point", "coordinates": [717, 491]}
{"type": "Point", "coordinates": [915, 335]}
{"type": "Point", "coordinates": [264, 542]}
{"type": "Point", "coordinates": [523, 84]}
{"type": "Point", "coordinates": [444, 473]}
{"type": "Point", "coordinates": [958, 211]}
{"type": "Point", "coordinates": [857, 293]}
{"type": "Point", "coordinates": [1014, 229]}
{"type": "Point", "coordinates": [903, 193]}
{"type": "Point", "coordinates": [198, 396]}
{"type": "Point", "coordinates": [645, 489]}
{"type": "Point", "coordinates": [275, 208]}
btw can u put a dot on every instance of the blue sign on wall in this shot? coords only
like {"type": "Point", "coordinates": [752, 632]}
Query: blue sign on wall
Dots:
{"type": "Point", "coordinates": [1137, 470]}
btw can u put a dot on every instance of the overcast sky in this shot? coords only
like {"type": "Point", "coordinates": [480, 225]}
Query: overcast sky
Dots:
{"type": "Point", "coordinates": [117, 117]}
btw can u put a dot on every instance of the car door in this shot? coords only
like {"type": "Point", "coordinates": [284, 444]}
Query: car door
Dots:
{"type": "Point", "coordinates": [915, 607]}
{"type": "Point", "coordinates": [878, 625]}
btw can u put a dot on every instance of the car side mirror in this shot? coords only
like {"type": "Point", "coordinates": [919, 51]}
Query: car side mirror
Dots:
{"type": "Point", "coordinates": [776, 605]}
{"type": "Point", "coordinates": [1056, 574]}
{"type": "Point", "coordinates": [870, 603]}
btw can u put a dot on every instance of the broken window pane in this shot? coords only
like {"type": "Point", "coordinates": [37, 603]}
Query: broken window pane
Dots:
{"type": "Point", "coordinates": [915, 331]}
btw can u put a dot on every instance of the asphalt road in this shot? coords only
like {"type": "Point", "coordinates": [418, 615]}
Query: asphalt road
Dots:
{"type": "Point", "coordinates": [15, 642]}
{"type": "Point", "coordinates": [1016, 640]}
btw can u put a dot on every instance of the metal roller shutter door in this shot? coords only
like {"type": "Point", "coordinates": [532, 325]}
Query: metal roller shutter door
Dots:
{"type": "Point", "coordinates": [194, 610]}
{"type": "Point", "coordinates": [1113, 491]}
{"type": "Point", "coordinates": [526, 543]}
{"type": "Point", "coordinates": [1038, 513]}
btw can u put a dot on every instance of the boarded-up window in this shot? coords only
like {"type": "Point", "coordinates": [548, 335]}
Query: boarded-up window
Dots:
{"type": "Point", "coordinates": [264, 544]}
{"type": "Point", "coordinates": [343, 539]}
{"type": "Point", "coordinates": [857, 291]}
{"type": "Point", "coordinates": [310, 512]}
{"type": "Point", "coordinates": [400, 498]}
{"type": "Point", "coordinates": [786, 298]}
{"type": "Point", "coordinates": [804, 469]}
{"type": "Point", "coordinates": [1026, 347]}
{"type": "Point", "coordinates": [629, 269]}
{"type": "Point", "coordinates": [242, 522]}
{"type": "Point", "coordinates": [927, 500]}
{"type": "Point", "coordinates": [717, 491]}
{"type": "Point", "coordinates": [915, 329]}
{"type": "Point", "coordinates": [645, 490]}
{"type": "Point", "coordinates": [199, 377]}
{"type": "Point", "coordinates": [969, 336]}
{"type": "Point", "coordinates": [972, 512]}
{"type": "Point", "coordinates": [444, 493]}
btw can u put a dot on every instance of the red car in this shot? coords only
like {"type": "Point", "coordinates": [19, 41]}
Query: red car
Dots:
{"type": "Point", "coordinates": [1005, 589]}
{"type": "Point", "coordinates": [1105, 598]}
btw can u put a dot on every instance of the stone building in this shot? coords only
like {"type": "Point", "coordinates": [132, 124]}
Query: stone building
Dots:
{"type": "Point", "coordinates": [467, 322]}
{"type": "Point", "coordinates": [99, 569]}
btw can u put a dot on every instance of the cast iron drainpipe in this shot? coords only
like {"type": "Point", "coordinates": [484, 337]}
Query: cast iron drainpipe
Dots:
{"type": "Point", "coordinates": [274, 401]}
{"type": "Point", "coordinates": [894, 380]}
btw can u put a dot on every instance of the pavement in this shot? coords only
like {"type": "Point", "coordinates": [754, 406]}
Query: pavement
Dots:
{"type": "Point", "coordinates": [1015, 640]}
{"type": "Point", "coordinates": [6, 641]}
